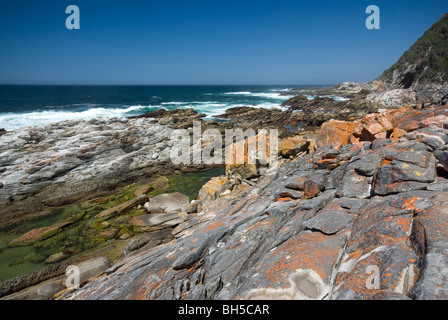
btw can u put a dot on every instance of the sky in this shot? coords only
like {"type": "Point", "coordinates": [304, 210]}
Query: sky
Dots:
{"type": "Point", "coordinates": [149, 42]}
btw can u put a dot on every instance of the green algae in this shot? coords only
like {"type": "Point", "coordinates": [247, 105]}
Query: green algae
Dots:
{"type": "Point", "coordinates": [82, 236]}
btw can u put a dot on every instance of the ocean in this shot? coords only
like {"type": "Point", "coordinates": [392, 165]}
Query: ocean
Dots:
{"type": "Point", "coordinates": [37, 105]}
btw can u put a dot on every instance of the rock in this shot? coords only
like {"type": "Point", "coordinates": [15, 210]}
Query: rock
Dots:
{"type": "Point", "coordinates": [330, 222]}
{"type": "Point", "coordinates": [194, 206]}
{"type": "Point", "coordinates": [57, 257]}
{"type": "Point", "coordinates": [168, 203]}
{"type": "Point", "coordinates": [443, 160]}
{"type": "Point", "coordinates": [374, 227]}
{"type": "Point", "coordinates": [245, 160]}
{"type": "Point", "coordinates": [335, 133]}
{"type": "Point", "coordinates": [147, 241]}
{"type": "Point", "coordinates": [92, 268]}
{"type": "Point", "coordinates": [290, 147]}
{"type": "Point", "coordinates": [143, 190]}
{"type": "Point", "coordinates": [429, 241]}
{"type": "Point", "coordinates": [108, 213]}
{"type": "Point", "coordinates": [161, 183]}
{"type": "Point", "coordinates": [39, 234]}
{"type": "Point", "coordinates": [157, 221]}
{"type": "Point", "coordinates": [48, 290]}
{"type": "Point", "coordinates": [213, 188]}
{"type": "Point", "coordinates": [109, 234]}
{"type": "Point", "coordinates": [399, 176]}
{"type": "Point", "coordinates": [1, 185]}
{"type": "Point", "coordinates": [78, 160]}
{"type": "Point", "coordinates": [310, 189]}
{"type": "Point", "coordinates": [126, 236]}
{"type": "Point", "coordinates": [42, 291]}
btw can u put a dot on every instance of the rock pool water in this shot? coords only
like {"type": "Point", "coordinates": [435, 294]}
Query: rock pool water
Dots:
{"type": "Point", "coordinates": [84, 235]}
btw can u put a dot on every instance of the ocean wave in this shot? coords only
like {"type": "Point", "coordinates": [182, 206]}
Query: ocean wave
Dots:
{"type": "Point", "coordinates": [266, 95]}
{"type": "Point", "coordinates": [11, 121]}
{"type": "Point", "coordinates": [241, 93]}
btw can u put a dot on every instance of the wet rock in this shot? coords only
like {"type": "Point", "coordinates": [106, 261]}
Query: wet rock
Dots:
{"type": "Point", "coordinates": [108, 213]}
{"type": "Point", "coordinates": [142, 190]}
{"type": "Point", "coordinates": [39, 234]}
{"type": "Point", "coordinates": [109, 234]}
{"type": "Point", "coordinates": [57, 257]}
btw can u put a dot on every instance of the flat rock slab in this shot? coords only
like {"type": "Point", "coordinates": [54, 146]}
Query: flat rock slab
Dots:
{"type": "Point", "coordinates": [387, 269]}
{"type": "Point", "coordinates": [108, 213]}
{"type": "Point", "coordinates": [92, 268]}
{"type": "Point", "coordinates": [168, 203]}
{"type": "Point", "coordinates": [429, 239]}
{"type": "Point", "coordinates": [298, 269]}
{"type": "Point", "coordinates": [154, 221]}
{"type": "Point", "coordinates": [330, 222]}
{"type": "Point", "coordinates": [39, 234]}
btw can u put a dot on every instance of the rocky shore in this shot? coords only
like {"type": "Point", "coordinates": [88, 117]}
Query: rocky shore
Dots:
{"type": "Point", "coordinates": [355, 209]}
{"type": "Point", "coordinates": [366, 199]}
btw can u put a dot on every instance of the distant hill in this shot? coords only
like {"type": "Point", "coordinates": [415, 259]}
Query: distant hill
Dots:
{"type": "Point", "coordinates": [425, 61]}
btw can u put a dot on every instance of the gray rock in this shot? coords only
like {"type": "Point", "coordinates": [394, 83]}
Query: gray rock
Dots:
{"type": "Point", "coordinates": [161, 220]}
{"type": "Point", "coordinates": [168, 203]}
{"type": "Point", "coordinates": [92, 268]}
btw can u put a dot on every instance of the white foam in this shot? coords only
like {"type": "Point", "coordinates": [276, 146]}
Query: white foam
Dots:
{"type": "Point", "coordinates": [11, 121]}
{"type": "Point", "coordinates": [242, 93]}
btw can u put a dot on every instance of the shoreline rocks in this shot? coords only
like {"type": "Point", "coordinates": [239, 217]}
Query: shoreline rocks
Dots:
{"type": "Point", "coordinates": [368, 203]}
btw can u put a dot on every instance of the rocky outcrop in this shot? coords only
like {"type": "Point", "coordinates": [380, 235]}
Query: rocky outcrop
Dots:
{"type": "Point", "coordinates": [68, 161]}
{"type": "Point", "coordinates": [420, 75]}
{"type": "Point", "coordinates": [318, 110]}
{"type": "Point", "coordinates": [361, 221]}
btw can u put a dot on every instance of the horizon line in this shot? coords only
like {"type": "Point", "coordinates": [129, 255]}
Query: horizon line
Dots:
{"type": "Point", "coordinates": [203, 85]}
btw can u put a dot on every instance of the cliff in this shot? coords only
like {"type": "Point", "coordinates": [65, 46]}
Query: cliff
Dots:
{"type": "Point", "coordinates": [421, 74]}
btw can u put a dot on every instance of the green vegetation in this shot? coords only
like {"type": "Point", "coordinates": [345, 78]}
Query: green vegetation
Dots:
{"type": "Point", "coordinates": [86, 233]}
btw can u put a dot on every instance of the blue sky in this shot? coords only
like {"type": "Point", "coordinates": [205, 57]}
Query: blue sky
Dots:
{"type": "Point", "coordinates": [206, 42]}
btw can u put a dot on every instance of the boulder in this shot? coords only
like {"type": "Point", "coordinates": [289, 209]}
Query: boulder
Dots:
{"type": "Point", "coordinates": [405, 171]}
{"type": "Point", "coordinates": [291, 146]}
{"type": "Point", "coordinates": [311, 189]}
{"type": "Point", "coordinates": [335, 133]}
{"type": "Point", "coordinates": [168, 203]}
{"type": "Point", "coordinates": [150, 222]}
{"type": "Point", "coordinates": [213, 188]}
{"type": "Point", "coordinates": [92, 268]}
